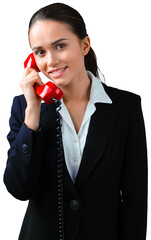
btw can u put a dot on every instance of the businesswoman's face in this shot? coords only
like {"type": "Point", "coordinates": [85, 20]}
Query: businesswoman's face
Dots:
{"type": "Point", "coordinates": [59, 53]}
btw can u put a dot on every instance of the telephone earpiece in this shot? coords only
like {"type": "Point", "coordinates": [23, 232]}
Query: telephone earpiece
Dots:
{"type": "Point", "coordinates": [49, 90]}
{"type": "Point", "coordinates": [31, 63]}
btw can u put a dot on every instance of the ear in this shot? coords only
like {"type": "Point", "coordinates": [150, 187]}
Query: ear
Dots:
{"type": "Point", "coordinates": [85, 45]}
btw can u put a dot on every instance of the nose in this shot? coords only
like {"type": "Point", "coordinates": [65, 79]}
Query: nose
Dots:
{"type": "Point", "coordinates": [52, 59]}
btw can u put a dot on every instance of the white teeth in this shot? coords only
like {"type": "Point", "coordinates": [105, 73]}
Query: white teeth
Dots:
{"type": "Point", "coordinates": [58, 71]}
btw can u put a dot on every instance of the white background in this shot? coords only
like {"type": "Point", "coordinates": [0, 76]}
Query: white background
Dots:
{"type": "Point", "coordinates": [120, 33]}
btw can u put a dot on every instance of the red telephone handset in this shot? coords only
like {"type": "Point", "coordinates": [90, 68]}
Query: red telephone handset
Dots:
{"type": "Point", "coordinates": [48, 90]}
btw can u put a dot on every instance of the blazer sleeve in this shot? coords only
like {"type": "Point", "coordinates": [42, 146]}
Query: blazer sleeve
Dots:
{"type": "Point", "coordinates": [23, 168]}
{"type": "Point", "coordinates": [133, 211]}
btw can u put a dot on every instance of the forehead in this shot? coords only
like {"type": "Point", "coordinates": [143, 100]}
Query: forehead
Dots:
{"type": "Point", "coordinates": [49, 29]}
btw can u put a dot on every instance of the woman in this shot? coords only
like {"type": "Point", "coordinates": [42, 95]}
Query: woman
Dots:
{"type": "Point", "coordinates": [104, 146]}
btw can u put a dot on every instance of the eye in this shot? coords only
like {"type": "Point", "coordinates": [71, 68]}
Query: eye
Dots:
{"type": "Point", "coordinates": [40, 52]}
{"type": "Point", "coordinates": [60, 46]}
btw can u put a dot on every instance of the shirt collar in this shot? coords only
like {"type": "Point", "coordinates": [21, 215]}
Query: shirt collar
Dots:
{"type": "Point", "coordinates": [97, 92]}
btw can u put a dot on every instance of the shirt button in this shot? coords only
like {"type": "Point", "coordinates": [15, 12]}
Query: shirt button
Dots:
{"type": "Point", "coordinates": [25, 148]}
{"type": "Point", "coordinates": [74, 205]}
{"type": "Point", "coordinates": [76, 141]}
{"type": "Point", "coordinates": [76, 160]}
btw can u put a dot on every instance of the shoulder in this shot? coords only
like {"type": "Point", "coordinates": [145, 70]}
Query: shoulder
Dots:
{"type": "Point", "coordinates": [18, 106]}
{"type": "Point", "coordinates": [20, 99]}
{"type": "Point", "coordinates": [121, 97]}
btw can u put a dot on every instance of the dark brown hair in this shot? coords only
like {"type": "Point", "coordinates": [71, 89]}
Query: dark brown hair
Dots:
{"type": "Point", "coordinates": [64, 13]}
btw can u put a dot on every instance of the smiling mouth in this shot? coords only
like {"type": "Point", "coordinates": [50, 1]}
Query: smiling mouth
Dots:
{"type": "Point", "coordinates": [58, 70]}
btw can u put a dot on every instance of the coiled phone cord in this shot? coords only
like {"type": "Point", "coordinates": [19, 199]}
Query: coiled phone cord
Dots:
{"type": "Point", "coordinates": [59, 170]}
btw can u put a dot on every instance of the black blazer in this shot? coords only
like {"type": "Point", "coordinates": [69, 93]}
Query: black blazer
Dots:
{"type": "Point", "coordinates": [109, 198]}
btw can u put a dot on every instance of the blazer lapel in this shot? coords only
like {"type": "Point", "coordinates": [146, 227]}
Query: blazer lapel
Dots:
{"type": "Point", "coordinates": [99, 132]}
{"type": "Point", "coordinates": [48, 122]}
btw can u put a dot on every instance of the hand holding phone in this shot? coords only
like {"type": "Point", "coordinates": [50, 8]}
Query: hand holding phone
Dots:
{"type": "Point", "coordinates": [48, 90]}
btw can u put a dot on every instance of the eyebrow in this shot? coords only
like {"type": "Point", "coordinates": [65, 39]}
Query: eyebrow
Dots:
{"type": "Point", "coordinates": [53, 43]}
{"type": "Point", "coordinates": [57, 41]}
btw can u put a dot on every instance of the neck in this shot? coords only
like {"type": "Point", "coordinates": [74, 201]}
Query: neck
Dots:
{"type": "Point", "coordinates": [78, 90]}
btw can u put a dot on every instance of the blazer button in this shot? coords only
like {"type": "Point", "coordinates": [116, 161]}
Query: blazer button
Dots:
{"type": "Point", "coordinates": [25, 148]}
{"type": "Point", "coordinates": [74, 205]}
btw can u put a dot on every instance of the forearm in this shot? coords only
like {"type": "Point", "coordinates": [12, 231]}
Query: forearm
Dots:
{"type": "Point", "coordinates": [23, 170]}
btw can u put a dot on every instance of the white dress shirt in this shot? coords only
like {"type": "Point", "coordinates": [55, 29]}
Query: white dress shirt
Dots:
{"type": "Point", "coordinates": [73, 143]}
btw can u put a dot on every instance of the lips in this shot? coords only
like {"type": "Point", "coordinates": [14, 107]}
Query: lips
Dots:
{"type": "Point", "coordinates": [58, 72]}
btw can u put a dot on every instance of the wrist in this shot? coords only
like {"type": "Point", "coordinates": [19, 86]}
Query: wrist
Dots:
{"type": "Point", "coordinates": [32, 116]}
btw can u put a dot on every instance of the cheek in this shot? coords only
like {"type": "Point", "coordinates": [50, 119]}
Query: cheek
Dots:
{"type": "Point", "coordinates": [41, 63]}
{"type": "Point", "coordinates": [74, 58]}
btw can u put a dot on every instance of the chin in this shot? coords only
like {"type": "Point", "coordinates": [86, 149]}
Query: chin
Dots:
{"type": "Point", "coordinates": [60, 82]}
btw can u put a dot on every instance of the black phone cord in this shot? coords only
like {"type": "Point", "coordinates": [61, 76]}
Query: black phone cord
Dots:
{"type": "Point", "coordinates": [59, 170]}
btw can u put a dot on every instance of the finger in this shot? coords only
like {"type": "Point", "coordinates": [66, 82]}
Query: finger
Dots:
{"type": "Point", "coordinates": [28, 71]}
{"type": "Point", "coordinates": [35, 78]}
